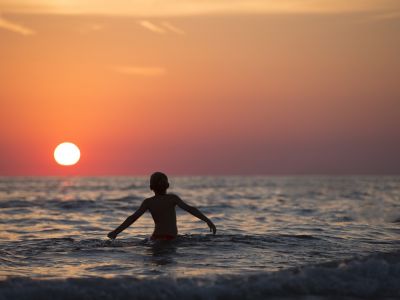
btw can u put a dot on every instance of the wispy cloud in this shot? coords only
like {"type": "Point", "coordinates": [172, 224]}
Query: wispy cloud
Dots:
{"type": "Point", "coordinates": [371, 18]}
{"type": "Point", "coordinates": [152, 27]}
{"type": "Point", "coordinates": [173, 28]}
{"type": "Point", "coordinates": [14, 27]}
{"type": "Point", "coordinates": [386, 16]}
{"type": "Point", "coordinates": [140, 71]}
{"type": "Point", "coordinates": [161, 28]}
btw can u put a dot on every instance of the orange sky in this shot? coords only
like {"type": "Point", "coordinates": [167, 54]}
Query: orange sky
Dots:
{"type": "Point", "coordinates": [201, 87]}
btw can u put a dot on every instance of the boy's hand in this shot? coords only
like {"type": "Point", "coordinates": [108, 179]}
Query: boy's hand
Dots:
{"type": "Point", "coordinates": [212, 227]}
{"type": "Point", "coordinates": [112, 235]}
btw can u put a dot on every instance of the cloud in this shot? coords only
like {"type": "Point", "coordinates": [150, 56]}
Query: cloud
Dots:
{"type": "Point", "coordinates": [173, 28]}
{"type": "Point", "coordinates": [14, 27]}
{"type": "Point", "coordinates": [371, 18]}
{"type": "Point", "coordinates": [386, 16]}
{"type": "Point", "coordinates": [152, 27]}
{"type": "Point", "coordinates": [162, 28]}
{"type": "Point", "coordinates": [141, 71]}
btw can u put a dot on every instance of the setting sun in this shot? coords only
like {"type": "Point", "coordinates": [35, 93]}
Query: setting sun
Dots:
{"type": "Point", "coordinates": [67, 154]}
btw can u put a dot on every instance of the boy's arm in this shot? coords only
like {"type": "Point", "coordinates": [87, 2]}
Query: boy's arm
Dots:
{"type": "Point", "coordinates": [197, 213]}
{"type": "Point", "coordinates": [129, 220]}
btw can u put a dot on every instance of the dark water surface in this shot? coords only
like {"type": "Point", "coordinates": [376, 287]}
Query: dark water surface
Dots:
{"type": "Point", "coordinates": [277, 237]}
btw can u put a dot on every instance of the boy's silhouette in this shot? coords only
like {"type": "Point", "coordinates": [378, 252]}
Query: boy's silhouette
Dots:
{"type": "Point", "coordinates": [162, 209]}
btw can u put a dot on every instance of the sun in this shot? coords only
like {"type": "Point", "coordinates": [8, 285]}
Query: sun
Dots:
{"type": "Point", "coordinates": [67, 154]}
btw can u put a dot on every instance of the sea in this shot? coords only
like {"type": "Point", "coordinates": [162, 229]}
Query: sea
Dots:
{"type": "Point", "coordinates": [278, 237]}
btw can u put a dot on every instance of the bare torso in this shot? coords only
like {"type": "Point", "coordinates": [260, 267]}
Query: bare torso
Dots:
{"type": "Point", "coordinates": [162, 209]}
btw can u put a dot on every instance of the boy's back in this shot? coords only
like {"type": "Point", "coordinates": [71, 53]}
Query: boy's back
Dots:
{"type": "Point", "coordinates": [162, 209]}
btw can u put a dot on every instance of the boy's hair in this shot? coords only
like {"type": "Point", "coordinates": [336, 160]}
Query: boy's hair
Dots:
{"type": "Point", "coordinates": [159, 182]}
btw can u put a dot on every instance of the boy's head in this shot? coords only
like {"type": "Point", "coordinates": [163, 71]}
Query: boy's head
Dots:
{"type": "Point", "coordinates": [159, 183]}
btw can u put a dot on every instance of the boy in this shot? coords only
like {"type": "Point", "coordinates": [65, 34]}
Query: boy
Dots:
{"type": "Point", "coordinates": [162, 209]}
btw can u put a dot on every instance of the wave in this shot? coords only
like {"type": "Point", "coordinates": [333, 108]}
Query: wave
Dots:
{"type": "Point", "coordinates": [70, 204]}
{"type": "Point", "coordinates": [15, 203]}
{"type": "Point", "coordinates": [375, 276]}
{"type": "Point", "coordinates": [183, 241]}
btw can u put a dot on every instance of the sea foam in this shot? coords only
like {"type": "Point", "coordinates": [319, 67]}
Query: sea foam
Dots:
{"type": "Point", "coordinates": [376, 276]}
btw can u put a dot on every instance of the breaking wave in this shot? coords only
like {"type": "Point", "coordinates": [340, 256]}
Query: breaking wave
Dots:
{"type": "Point", "coordinates": [375, 276]}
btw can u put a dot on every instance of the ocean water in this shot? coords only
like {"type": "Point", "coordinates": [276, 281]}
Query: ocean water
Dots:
{"type": "Point", "coordinates": [277, 238]}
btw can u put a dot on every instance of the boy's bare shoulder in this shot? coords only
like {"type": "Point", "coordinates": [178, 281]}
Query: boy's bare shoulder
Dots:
{"type": "Point", "coordinates": [171, 198]}
{"type": "Point", "coordinates": [168, 196]}
{"type": "Point", "coordinates": [147, 200]}
{"type": "Point", "coordinates": [174, 197]}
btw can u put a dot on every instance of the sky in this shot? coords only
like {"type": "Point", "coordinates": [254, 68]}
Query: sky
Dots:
{"type": "Point", "coordinates": [200, 87]}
